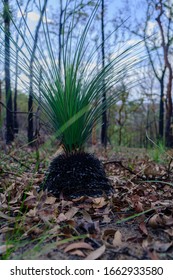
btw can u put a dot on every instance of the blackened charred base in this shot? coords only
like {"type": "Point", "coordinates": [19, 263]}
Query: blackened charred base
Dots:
{"type": "Point", "coordinates": [75, 175]}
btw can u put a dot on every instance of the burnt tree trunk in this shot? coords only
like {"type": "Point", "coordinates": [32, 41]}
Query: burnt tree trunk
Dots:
{"type": "Point", "coordinates": [0, 103]}
{"type": "Point", "coordinates": [104, 114]}
{"type": "Point", "coordinates": [30, 100]}
{"type": "Point", "coordinates": [9, 108]}
{"type": "Point", "coordinates": [16, 125]}
{"type": "Point", "coordinates": [161, 109]}
{"type": "Point", "coordinates": [168, 132]}
{"type": "Point", "coordinates": [60, 34]}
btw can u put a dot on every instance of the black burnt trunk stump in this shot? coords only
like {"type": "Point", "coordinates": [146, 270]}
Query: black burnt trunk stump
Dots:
{"type": "Point", "coordinates": [75, 175]}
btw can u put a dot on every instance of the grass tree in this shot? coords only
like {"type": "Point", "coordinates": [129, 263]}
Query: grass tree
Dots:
{"type": "Point", "coordinates": [69, 94]}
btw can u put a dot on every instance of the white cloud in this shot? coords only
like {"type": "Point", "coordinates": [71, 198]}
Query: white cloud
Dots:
{"type": "Point", "coordinates": [150, 27]}
{"type": "Point", "coordinates": [34, 17]}
{"type": "Point", "coordinates": [31, 15]}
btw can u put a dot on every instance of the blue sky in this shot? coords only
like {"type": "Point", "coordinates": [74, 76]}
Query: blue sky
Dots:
{"type": "Point", "coordinates": [112, 8]}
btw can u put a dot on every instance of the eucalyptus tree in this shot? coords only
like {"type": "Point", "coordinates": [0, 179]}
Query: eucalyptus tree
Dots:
{"type": "Point", "coordinates": [154, 25]}
{"type": "Point", "coordinates": [165, 22]}
{"type": "Point", "coordinates": [0, 103]}
{"type": "Point", "coordinates": [30, 99]}
{"type": "Point", "coordinates": [9, 107]}
{"type": "Point", "coordinates": [104, 114]}
{"type": "Point", "coordinates": [161, 12]}
{"type": "Point", "coordinates": [25, 12]}
{"type": "Point", "coordinates": [157, 64]}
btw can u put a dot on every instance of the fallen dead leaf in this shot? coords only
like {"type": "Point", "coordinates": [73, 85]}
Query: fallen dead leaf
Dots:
{"type": "Point", "coordinates": [96, 254]}
{"type": "Point", "coordinates": [143, 228]}
{"type": "Point", "coordinates": [112, 238]}
{"type": "Point", "coordinates": [71, 213]}
{"type": "Point", "coordinates": [50, 200]}
{"type": "Point", "coordinates": [78, 253]}
{"type": "Point", "coordinates": [86, 216]}
{"type": "Point", "coordinates": [78, 245]}
{"type": "Point", "coordinates": [71, 223]}
{"type": "Point", "coordinates": [61, 218]}
{"type": "Point", "coordinates": [138, 206]}
{"type": "Point", "coordinates": [32, 213]}
{"type": "Point", "coordinates": [99, 202]}
{"type": "Point", "coordinates": [6, 217]}
{"type": "Point", "coordinates": [156, 221]}
{"type": "Point", "coordinates": [106, 219]}
{"type": "Point", "coordinates": [168, 220]}
{"type": "Point", "coordinates": [147, 242]}
{"type": "Point", "coordinates": [48, 213]}
{"type": "Point", "coordinates": [4, 248]}
{"type": "Point", "coordinates": [169, 231]}
{"type": "Point", "coordinates": [54, 230]}
{"type": "Point", "coordinates": [31, 202]}
{"type": "Point", "coordinates": [6, 229]}
{"type": "Point", "coordinates": [117, 241]}
{"type": "Point", "coordinates": [162, 247]}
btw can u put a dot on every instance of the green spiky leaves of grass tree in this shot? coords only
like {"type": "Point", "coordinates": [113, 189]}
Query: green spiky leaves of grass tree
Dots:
{"type": "Point", "coordinates": [71, 95]}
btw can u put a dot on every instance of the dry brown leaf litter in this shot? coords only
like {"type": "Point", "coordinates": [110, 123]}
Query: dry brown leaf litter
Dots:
{"type": "Point", "coordinates": [135, 223]}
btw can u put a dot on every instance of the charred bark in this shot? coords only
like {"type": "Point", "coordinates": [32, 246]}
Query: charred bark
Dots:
{"type": "Point", "coordinates": [9, 114]}
{"type": "Point", "coordinates": [104, 114]}
{"type": "Point", "coordinates": [30, 99]}
{"type": "Point", "coordinates": [161, 109]}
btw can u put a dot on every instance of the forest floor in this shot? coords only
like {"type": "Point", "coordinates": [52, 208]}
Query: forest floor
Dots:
{"type": "Point", "coordinates": [135, 222]}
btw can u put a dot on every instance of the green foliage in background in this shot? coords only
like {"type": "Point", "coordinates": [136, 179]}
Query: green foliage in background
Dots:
{"type": "Point", "coordinates": [158, 152]}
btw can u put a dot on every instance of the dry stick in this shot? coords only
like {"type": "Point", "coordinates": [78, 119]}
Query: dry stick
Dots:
{"type": "Point", "coordinates": [17, 112]}
{"type": "Point", "coordinates": [26, 113]}
{"type": "Point", "coordinates": [165, 175]}
{"type": "Point", "coordinates": [126, 168]}
{"type": "Point", "coordinates": [17, 160]}
{"type": "Point", "coordinates": [10, 173]}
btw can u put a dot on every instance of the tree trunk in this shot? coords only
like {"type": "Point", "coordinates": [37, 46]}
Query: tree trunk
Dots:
{"type": "Point", "coordinates": [9, 108]}
{"type": "Point", "coordinates": [161, 109]}
{"type": "Point", "coordinates": [30, 100]}
{"type": "Point", "coordinates": [60, 34]}
{"type": "Point", "coordinates": [169, 114]}
{"type": "Point", "coordinates": [0, 104]}
{"type": "Point", "coordinates": [104, 114]}
{"type": "Point", "coordinates": [16, 126]}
